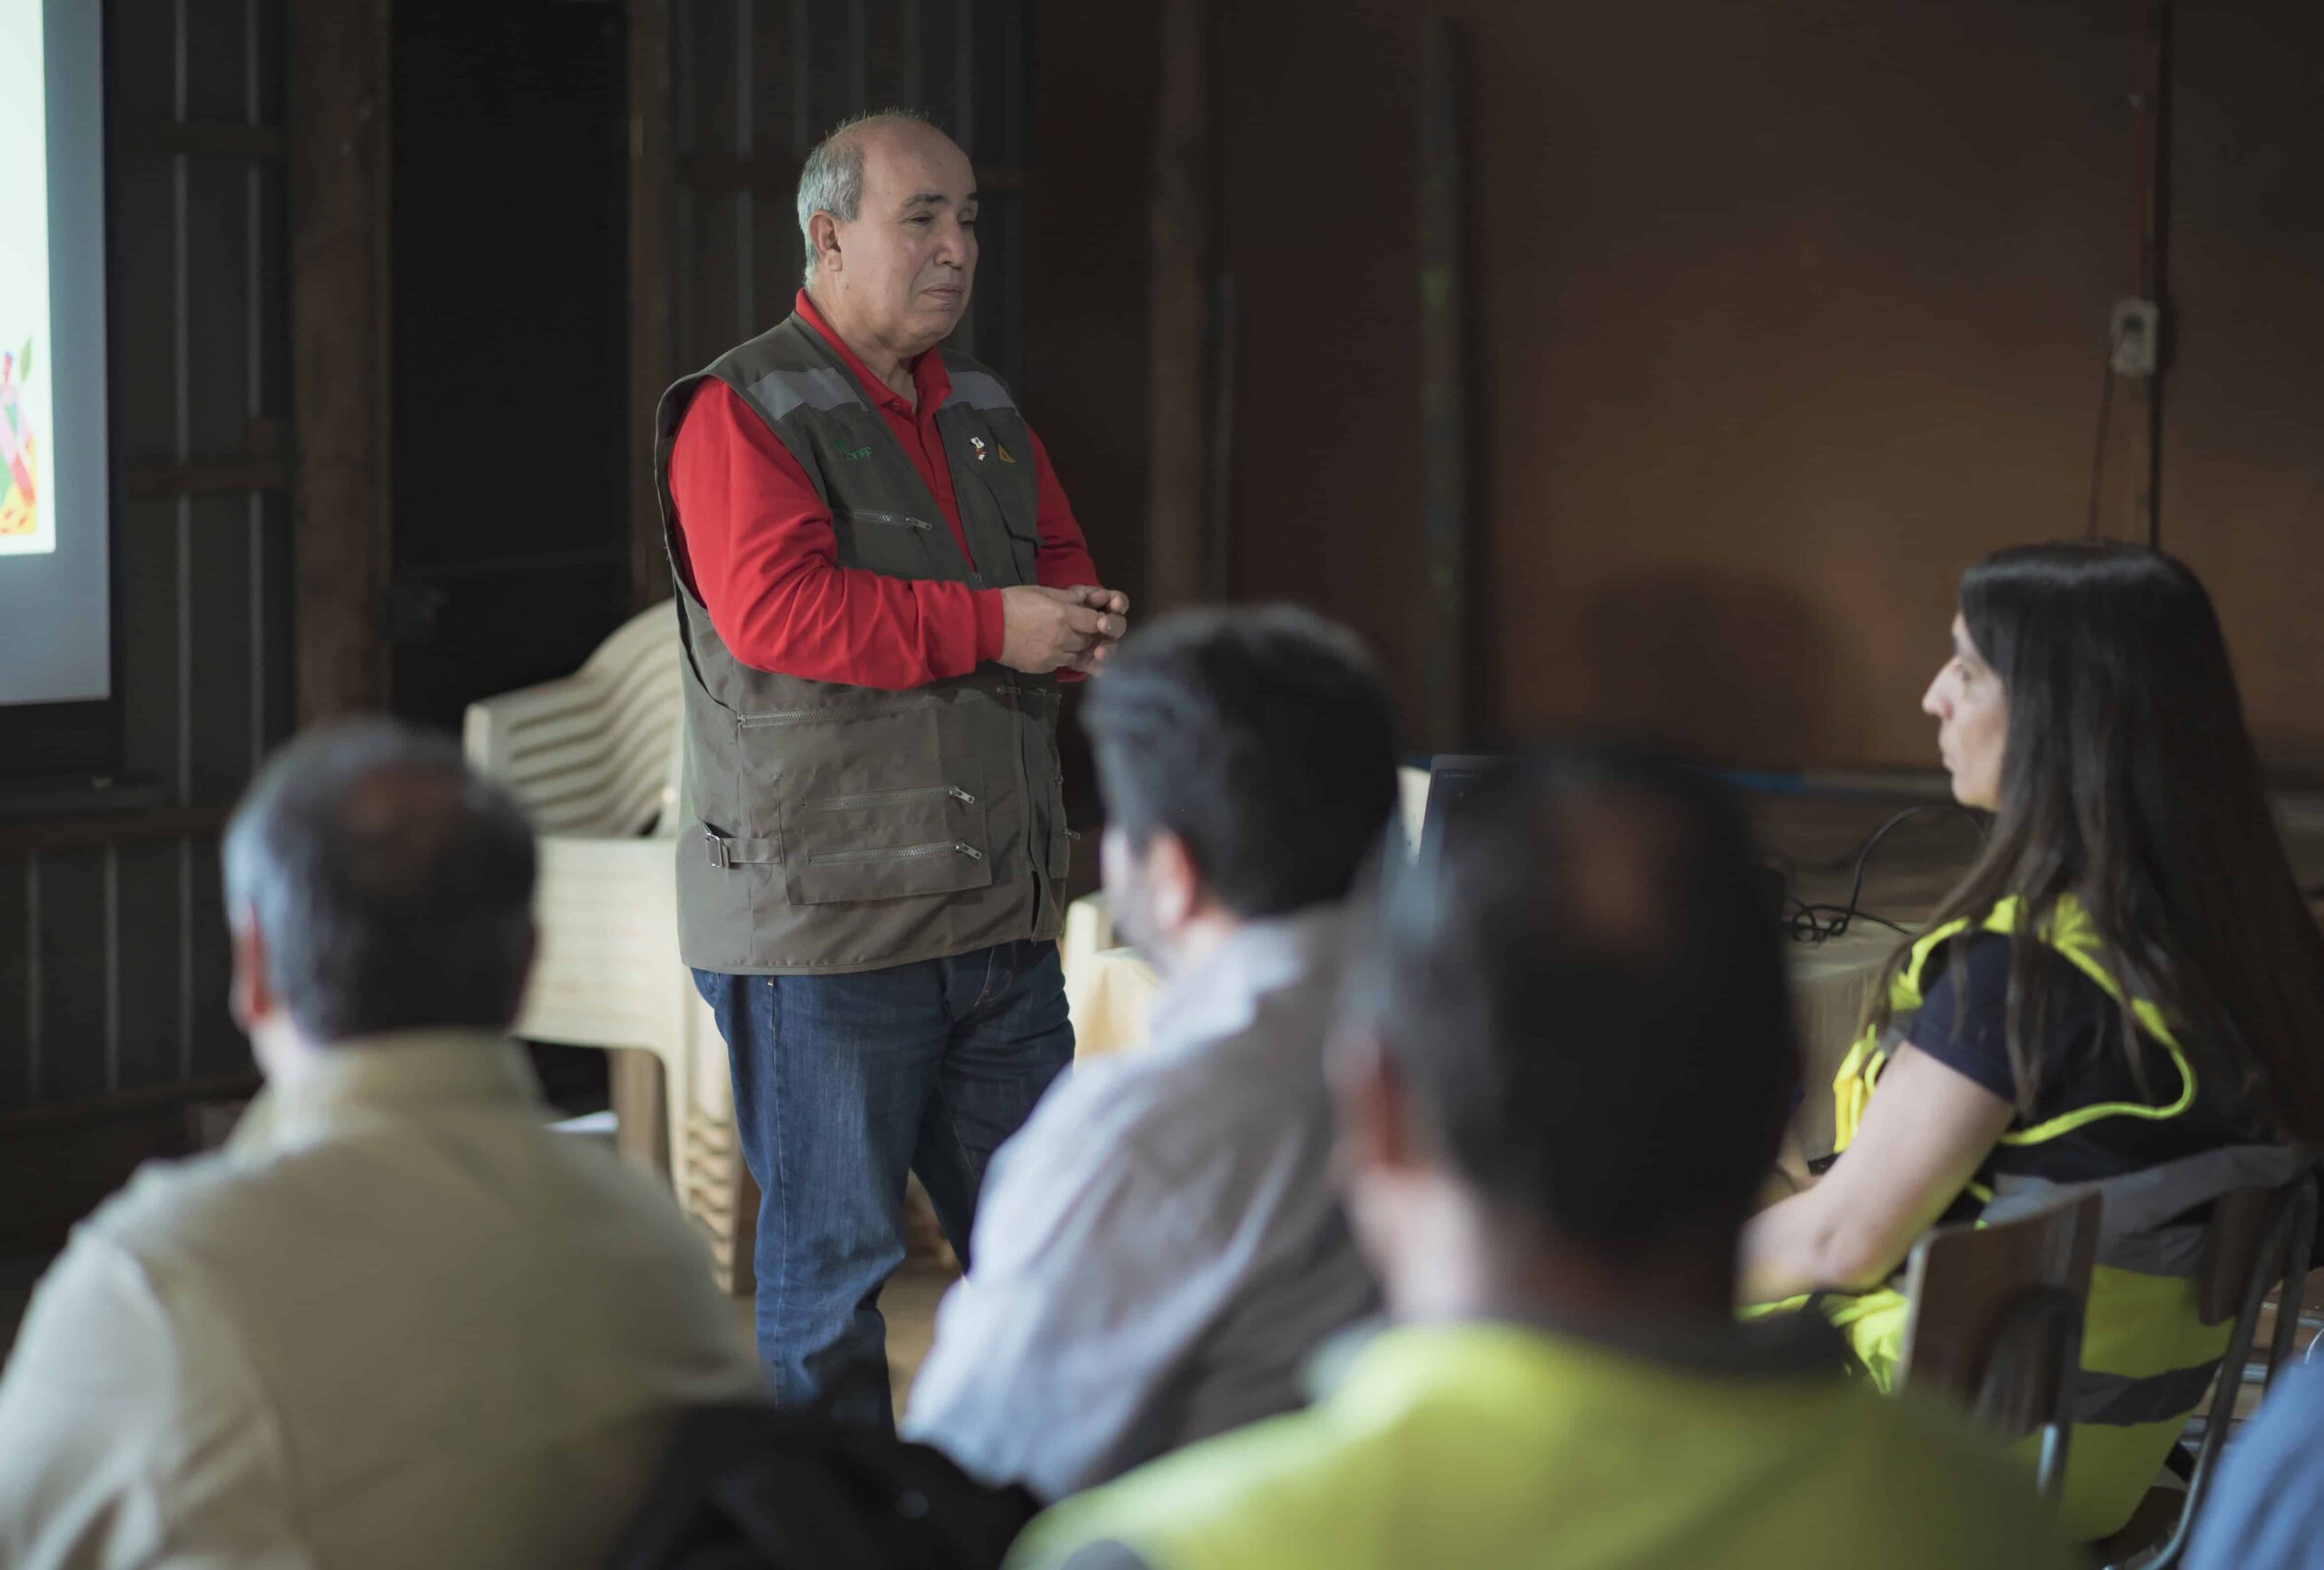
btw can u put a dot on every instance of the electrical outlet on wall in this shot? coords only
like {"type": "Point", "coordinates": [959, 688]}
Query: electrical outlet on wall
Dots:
{"type": "Point", "coordinates": [2136, 335]}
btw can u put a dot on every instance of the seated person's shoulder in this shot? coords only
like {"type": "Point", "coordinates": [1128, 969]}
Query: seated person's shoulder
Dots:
{"type": "Point", "coordinates": [169, 1206]}
{"type": "Point", "coordinates": [1178, 1104]}
{"type": "Point", "coordinates": [1245, 1498]}
{"type": "Point", "coordinates": [1112, 1111]}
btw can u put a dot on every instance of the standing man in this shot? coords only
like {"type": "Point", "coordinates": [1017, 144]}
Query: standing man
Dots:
{"type": "Point", "coordinates": [880, 586]}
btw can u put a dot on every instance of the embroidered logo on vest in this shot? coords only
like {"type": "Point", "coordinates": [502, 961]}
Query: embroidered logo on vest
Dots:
{"type": "Point", "coordinates": [858, 455]}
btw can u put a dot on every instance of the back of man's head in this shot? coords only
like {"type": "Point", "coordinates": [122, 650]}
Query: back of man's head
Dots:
{"type": "Point", "coordinates": [1586, 999]}
{"type": "Point", "coordinates": [1261, 737]}
{"type": "Point", "coordinates": [390, 885]}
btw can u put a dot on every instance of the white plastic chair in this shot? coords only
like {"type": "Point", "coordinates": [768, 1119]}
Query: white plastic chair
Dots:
{"type": "Point", "coordinates": [595, 757]}
{"type": "Point", "coordinates": [1412, 804]}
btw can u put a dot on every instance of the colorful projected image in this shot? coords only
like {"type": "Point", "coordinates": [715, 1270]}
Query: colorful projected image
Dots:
{"type": "Point", "coordinates": [20, 514]}
{"type": "Point", "coordinates": [28, 472]}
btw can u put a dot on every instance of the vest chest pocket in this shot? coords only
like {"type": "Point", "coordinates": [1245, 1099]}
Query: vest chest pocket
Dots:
{"type": "Point", "coordinates": [884, 845]}
{"type": "Point", "coordinates": [894, 543]}
{"type": "Point", "coordinates": [1024, 546]}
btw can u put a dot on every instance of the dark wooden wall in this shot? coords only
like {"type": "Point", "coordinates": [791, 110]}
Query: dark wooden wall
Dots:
{"type": "Point", "coordinates": [113, 949]}
{"type": "Point", "coordinates": [1086, 263]}
{"type": "Point", "coordinates": [112, 937]}
{"type": "Point", "coordinates": [1784, 314]}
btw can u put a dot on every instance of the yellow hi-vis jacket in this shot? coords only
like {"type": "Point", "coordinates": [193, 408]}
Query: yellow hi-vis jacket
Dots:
{"type": "Point", "coordinates": [2147, 1357]}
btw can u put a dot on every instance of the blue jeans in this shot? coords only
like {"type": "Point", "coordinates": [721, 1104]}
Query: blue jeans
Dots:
{"type": "Point", "coordinates": [843, 1084]}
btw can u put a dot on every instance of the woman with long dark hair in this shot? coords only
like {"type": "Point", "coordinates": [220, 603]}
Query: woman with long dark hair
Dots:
{"type": "Point", "coordinates": [2126, 990]}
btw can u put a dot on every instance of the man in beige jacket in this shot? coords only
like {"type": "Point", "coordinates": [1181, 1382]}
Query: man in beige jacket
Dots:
{"type": "Point", "coordinates": [399, 1320]}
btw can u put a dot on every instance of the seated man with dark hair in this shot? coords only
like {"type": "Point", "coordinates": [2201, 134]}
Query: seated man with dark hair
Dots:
{"type": "Point", "coordinates": [1563, 1070]}
{"type": "Point", "coordinates": [399, 1320]}
{"type": "Point", "coordinates": [1160, 1249]}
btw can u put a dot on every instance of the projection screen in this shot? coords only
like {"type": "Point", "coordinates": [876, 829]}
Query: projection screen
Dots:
{"type": "Point", "coordinates": [56, 603]}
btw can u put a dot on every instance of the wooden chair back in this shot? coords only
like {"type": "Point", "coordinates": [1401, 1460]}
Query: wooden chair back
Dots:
{"type": "Point", "coordinates": [2259, 1240]}
{"type": "Point", "coordinates": [1995, 1321]}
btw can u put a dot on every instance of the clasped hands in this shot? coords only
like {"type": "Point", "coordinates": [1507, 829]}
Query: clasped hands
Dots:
{"type": "Point", "coordinates": [1047, 629]}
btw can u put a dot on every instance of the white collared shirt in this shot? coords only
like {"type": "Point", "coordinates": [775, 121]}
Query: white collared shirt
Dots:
{"type": "Point", "coordinates": [396, 1321]}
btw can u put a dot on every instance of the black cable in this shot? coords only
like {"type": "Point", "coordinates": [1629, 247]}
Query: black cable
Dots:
{"type": "Point", "coordinates": [1841, 917]}
{"type": "Point", "coordinates": [1809, 923]}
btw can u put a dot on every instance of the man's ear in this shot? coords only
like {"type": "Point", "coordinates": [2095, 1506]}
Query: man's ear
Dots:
{"type": "Point", "coordinates": [1372, 1107]}
{"type": "Point", "coordinates": [823, 237]}
{"type": "Point", "coordinates": [248, 997]}
{"type": "Point", "coordinates": [1174, 887]}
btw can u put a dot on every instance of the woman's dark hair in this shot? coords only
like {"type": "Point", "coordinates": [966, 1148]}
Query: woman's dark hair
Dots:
{"type": "Point", "coordinates": [2129, 782]}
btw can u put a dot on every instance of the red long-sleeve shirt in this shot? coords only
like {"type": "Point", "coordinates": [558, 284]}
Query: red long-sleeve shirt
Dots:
{"type": "Point", "coordinates": [754, 543]}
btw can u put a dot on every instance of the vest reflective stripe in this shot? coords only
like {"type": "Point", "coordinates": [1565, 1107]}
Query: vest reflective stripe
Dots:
{"type": "Point", "coordinates": [978, 390]}
{"type": "Point", "coordinates": [2071, 935]}
{"type": "Point", "coordinates": [2147, 1357]}
{"type": "Point", "coordinates": [2140, 1229]}
{"type": "Point", "coordinates": [782, 392]}
{"type": "Point", "coordinates": [2122, 1399]}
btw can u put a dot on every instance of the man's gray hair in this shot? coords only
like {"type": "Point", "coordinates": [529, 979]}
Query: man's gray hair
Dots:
{"type": "Point", "coordinates": [831, 180]}
{"type": "Point", "coordinates": [391, 884]}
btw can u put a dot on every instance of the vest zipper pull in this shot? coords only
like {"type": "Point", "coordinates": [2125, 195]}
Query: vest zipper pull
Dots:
{"type": "Point", "coordinates": [963, 797]}
{"type": "Point", "coordinates": [967, 850]}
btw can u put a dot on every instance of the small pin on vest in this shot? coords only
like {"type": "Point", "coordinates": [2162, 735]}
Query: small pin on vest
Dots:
{"type": "Point", "coordinates": [1003, 450]}
{"type": "Point", "coordinates": [978, 442]}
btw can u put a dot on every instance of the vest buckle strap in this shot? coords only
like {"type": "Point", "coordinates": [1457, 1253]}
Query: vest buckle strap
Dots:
{"type": "Point", "coordinates": [726, 854]}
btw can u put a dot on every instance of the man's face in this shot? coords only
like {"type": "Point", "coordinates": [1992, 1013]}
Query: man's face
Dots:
{"type": "Point", "coordinates": [909, 259]}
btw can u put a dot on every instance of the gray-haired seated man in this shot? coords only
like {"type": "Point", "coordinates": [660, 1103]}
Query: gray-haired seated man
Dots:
{"type": "Point", "coordinates": [1159, 1249]}
{"type": "Point", "coordinates": [399, 1320]}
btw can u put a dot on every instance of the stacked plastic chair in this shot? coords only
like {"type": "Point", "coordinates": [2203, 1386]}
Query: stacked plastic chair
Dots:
{"type": "Point", "coordinates": [593, 758]}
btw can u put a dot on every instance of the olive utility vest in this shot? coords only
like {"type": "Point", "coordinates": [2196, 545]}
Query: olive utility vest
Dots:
{"type": "Point", "coordinates": [830, 828]}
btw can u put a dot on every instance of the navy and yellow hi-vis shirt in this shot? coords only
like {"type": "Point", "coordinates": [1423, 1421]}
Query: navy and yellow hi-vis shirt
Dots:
{"type": "Point", "coordinates": [1963, 1023]}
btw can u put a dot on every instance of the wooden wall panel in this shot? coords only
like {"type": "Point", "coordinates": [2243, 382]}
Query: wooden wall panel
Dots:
{"type": "Point", "coordinates": [1086, 250]}
{"type": "Point", "coordinates": [221, 639]}
{"type": "Point", "coordinates": [215, 1047]}
{"type": "Point", "coordinates": [1786, 313]}
{"type": "Point", "coordinates": [143, 308]}
{"type": "Point", "coordinates": [2243, 468]}
{"type": "Point", "coordinates": [19, 981]}
{"type": "Point", "coordinates": [153, 1026]}
{"type": "Point", "coordinates": [112, 942]}
{"type": "Point", "coordinates": [338, 117]}
{"type": "Point", "coordinates": [217, 49]}
{"type": "Point", "coordinates": [222, 271]}
{"type": "Point", "coordinates": [72, 1050]}
{"type": "Point", "coordinates": [152, 541]}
